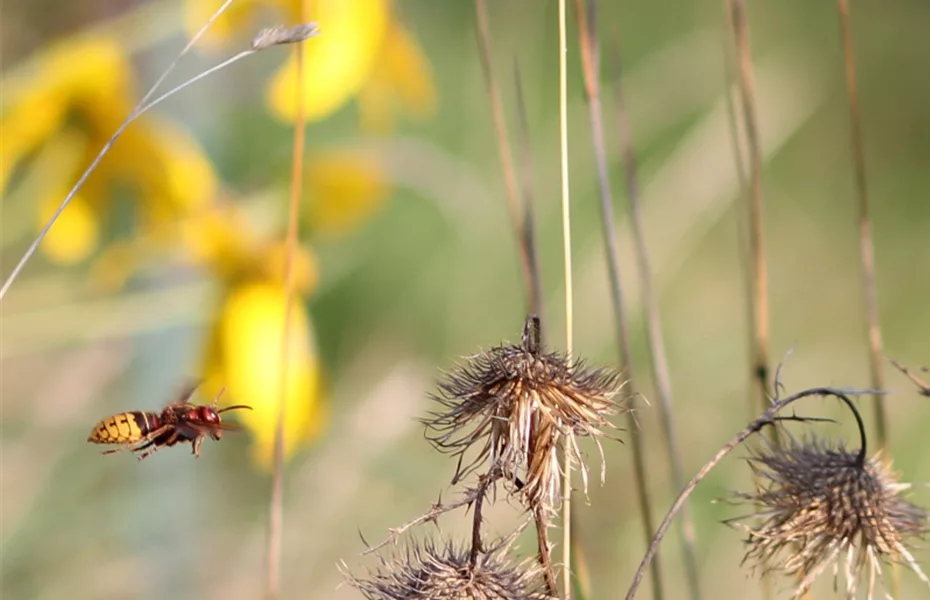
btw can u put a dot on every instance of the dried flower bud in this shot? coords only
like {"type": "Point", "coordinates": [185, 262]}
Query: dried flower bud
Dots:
{"type": "Point", "coordinates": [425, 572]}
{"type": "Point", "coordinates": [825, 506]}
{"type": "Point", "coordinates": [514, 403]}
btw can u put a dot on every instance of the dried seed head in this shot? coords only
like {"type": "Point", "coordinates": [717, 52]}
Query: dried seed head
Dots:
{"type": "Point", "coordinates": [514, 403]}
{"type": "Point", "coordinates": [825, 506]}
{"type": "Point", "coordinates": [425, 572]}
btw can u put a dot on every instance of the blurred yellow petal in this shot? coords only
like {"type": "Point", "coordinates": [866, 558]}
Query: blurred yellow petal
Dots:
{"type": "Point", "coordinates": [250, 340]}
{"type": "Point", "coordinates": [173, 170]}
{"type": "Point", "coordinates": [91, 74]}
{"type": "Point", "coordinates": [303, 267]}
{"type": "Point", "coordinates": [217, 237]}
{"type": "Point", "coordinates": [115, 264]}
{"type": "Point", "coordinates": [74, 235]}
{"type": "Point", "coordinates": [402, 73]}
{"type": "Point", "coordinates": [337, 63]}
{"type": "Point", "coordinates": [345, 188]}
{"type": "Point", "coordinates": [26, 126]}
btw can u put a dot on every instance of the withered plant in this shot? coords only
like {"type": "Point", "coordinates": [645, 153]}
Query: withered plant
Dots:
{"type": "Point", "coordinates": [821, 506]}
{"type": "Point", "coordinates": [512, 405]}
{"type": "Point", "coordinates": [505, 413]}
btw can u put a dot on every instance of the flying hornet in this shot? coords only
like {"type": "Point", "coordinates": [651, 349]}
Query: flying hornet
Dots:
{"type": "Point", "coordinates": [179, 422]}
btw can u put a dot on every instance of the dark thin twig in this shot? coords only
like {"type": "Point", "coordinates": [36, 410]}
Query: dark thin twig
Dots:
{"type": "Point", "coordinates": [923, 386]}
{"type": "Point", "coordinates": [659, 362]}
{"type": "Point", "coordinates": [590, 69]}
{"type": "Point", "coordinates": [503, 148]}
{"type": "Point", "coordinates": [484, 483]}
{"type": "Point", "coordinates": [544, 555]}
{"type": "Point", "coordinates": [767, 418]}
{"type": "Point", "coordinates": [432, 514]}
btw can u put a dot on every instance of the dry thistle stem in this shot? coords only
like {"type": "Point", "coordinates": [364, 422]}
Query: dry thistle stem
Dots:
{"type": "Point", "coordinates": [515, 403]}
{"type": "Point", "coordinates": [426, 572]}
{"type": "Point", "coordinates": [825, 506]}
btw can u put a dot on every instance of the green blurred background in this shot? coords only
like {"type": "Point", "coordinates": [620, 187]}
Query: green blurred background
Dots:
{"type": "Point", "coordinates": [434, 275]}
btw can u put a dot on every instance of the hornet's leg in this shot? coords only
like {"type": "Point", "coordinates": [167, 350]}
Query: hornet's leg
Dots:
{"type": "Point", "coordinates": [198, 442]}
{"type": "Point", "coordinates": [155, 447]}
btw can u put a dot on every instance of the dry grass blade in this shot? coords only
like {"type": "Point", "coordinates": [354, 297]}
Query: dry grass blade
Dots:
{"type": "Point", "coordinates": [518, 219]}
{"type": "Point", "coordinates": [529, 221]}
{"type": "Point", "coordinates": [866, 247]}
{"type": "Point", "coordinates": [760, 360]}
{"type": "Point", "coordinates": [659, 362]}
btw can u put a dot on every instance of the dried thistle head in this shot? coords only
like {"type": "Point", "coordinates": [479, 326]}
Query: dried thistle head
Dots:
{"type": "Point", "coordinates": [825, 506]}
{"type": "Point", "coordinates": [512, 404]}
{"type": "Point", "coordinates": [426, 572]}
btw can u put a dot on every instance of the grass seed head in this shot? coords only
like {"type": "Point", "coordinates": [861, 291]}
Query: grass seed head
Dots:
{"type": "Point", "coordinates": [427, 572]}
{"type": "Point", "coordinates": [512, 404]}
{"type": "Point", "coordinates": [825, 506]}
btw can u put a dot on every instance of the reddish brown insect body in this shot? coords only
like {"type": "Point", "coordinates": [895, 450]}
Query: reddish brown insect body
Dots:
{"type": "Point", "coordinates": [179, 422]}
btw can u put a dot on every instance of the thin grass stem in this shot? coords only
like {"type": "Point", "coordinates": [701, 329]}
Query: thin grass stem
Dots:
{"type": "Point", "coordinates": [567, 250]}
{"type": "Point", "coordinates": [760, 325]}
{"type": "Point", "coordinates": [758, 277]}
{"type": "Point", "coordinates": [276, 508]}
{"type": "Point", "coordinates": [589, 61]}
{"type": "Point", "coordinates": [866, 246]}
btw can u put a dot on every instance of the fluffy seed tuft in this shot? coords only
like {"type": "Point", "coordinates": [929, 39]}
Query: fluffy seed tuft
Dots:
{"type": "Point", "coordinates": [825, 506]}
{"type": "Point", "coordinates": [514, 403]}
{"type": "Point", "coordinates": [426, 572]}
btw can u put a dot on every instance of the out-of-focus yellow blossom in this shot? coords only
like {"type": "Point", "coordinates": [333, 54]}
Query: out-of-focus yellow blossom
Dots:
{"type": "Point", "coordinates": [79, 95]}
{"type": "Point", "coordinates": [363, 52]}
{"type": "Point", "coordinates": [344, 189]}
{"type": "Point", "coordinates": [246, 356]}
{"type": "Point", "coordinates": [246, 341]}
{"type": "Point", "coordinates": [400, 80]}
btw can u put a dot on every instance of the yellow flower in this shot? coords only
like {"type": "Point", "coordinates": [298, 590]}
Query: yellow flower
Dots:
{"type": "Point", "coordinates": [402, 75]}
{"type": "Point", "coordinates": [245, 355]}
{"type": "Point", "coordinates": [77, 97]}
{"type": "Point", "coordinates": [363, 52]}
{"type": "Point", "coordinates": [344, 188]}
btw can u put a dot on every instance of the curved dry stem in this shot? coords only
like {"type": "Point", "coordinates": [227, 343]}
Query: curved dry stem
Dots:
{"type": "Point", "coordinates": [767, 418]}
